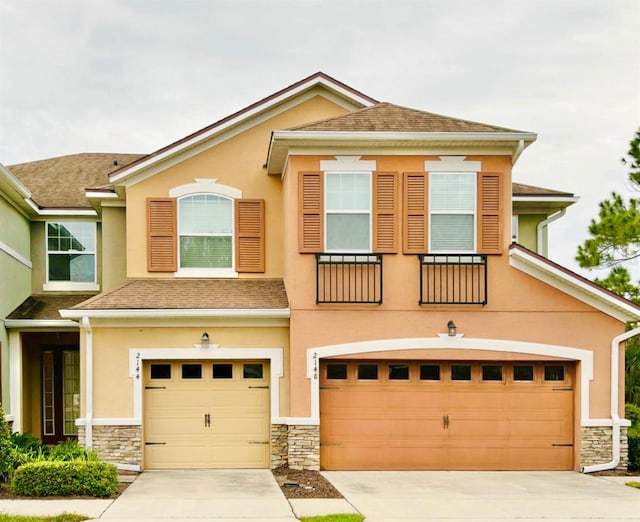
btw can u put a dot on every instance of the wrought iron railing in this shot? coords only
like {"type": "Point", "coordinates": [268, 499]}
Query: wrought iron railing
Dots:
{"type": "Point", "coordinates": [453, 279]}
{"type": "Point", "coordinates": [349, 278]}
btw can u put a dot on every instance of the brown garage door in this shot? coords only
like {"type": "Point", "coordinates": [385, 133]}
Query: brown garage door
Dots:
{"type": "Point", "coordinates": [454, 415]}
{"type": "Point", "coordinates": [206, 414]}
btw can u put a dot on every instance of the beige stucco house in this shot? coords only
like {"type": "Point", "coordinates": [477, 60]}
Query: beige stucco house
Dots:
{"type": "Point", "coordinates": [319, 279]}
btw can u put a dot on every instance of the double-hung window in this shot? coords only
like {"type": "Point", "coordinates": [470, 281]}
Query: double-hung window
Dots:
{"type": "Point", "coordinates": [452, 212]}
{"type": "Point", "coordinates": [348, 212]}
{"type": "Point", "coordinates": [205, 230]}
{"type": "Point", "coordinates": [71, 255]}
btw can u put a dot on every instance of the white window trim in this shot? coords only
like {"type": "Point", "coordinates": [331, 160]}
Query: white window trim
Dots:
{"type": "Point", "coordinates": [354, 212]}
{"type": "Point", "coordinates": [57, 286]}
{"type": "Point", "coordinates": [207, 187]}
{"type": "Point", "coordinates": [473, 212]}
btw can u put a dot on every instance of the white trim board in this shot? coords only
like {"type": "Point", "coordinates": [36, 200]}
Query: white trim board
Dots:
{"type": "Point", "coordinates": [15, 255]}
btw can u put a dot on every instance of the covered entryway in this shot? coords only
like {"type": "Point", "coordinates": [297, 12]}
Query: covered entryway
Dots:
{"type": "Point", "coordinates": [206, 414]}
{"type": "Point", "coordinates": [465, 415]}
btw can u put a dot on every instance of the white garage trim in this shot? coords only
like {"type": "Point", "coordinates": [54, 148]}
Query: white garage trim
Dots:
{"type": "Point", "coordinates": [449, 342]}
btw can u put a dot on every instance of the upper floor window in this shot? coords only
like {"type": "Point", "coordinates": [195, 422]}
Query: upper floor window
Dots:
{"type": "Point", "coordinates": [71, 255]}
{"type": "Point", "coordinates": [348, 211]}
{"type": "Point", "coordinates": [452, 211]}
{"type": "Point", "coordinates": [205, 229]}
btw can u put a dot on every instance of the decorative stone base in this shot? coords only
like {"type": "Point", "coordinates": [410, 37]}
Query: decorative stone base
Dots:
{"type": "Point", "coordinates": [596, 447]}
{"type": "Point", "coordinates": [298, 446]}
{"type": "Point", "coordinates": [116, 444]}
{"type": "Point", "coordinates": [279, 445]}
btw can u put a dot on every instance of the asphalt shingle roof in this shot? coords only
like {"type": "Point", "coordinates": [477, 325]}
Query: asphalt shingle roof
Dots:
{"type": "Point", "coordinates": [201, 294]}
{"type": "Point", "coordinates": [386, 117]}
{"type": "Point", "coordinates": [519, 189]}
{"type": "Point", "coordinates": [45, 307]}
{"type": "Point", "coordinates": [61, 182]}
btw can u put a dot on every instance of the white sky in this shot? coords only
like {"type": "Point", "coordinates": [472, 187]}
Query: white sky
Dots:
{"type": "Point", "coordinates": [133, 76]}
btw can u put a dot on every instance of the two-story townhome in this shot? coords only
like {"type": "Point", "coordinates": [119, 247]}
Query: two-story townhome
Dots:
{"type": "Point", "coordinates": [322, 280]}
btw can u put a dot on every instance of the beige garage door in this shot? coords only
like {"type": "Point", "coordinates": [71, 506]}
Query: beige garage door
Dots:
{"type": "Point", "coordinates": [457, 416]}
{"type": "Point", "coordinates": [206, 414]}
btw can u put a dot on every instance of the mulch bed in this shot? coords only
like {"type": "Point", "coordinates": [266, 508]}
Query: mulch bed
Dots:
{"type": "Point", "coordinates": [304, 483]}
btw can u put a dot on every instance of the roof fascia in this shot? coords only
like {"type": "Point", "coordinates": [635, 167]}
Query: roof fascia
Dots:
{"type": "Point", "coordinates": [40, 323]}
{"type": "Point", "coordinates": [546, 199]}
{"type": "Point", "coordinates": [272, 106]}
{"type": "Point", "coordinates": [61, 211]}
{"type": "Point", "coordinates": [16, 194]}
{"type": "Point", "coordinates": [614, 306]}
{"type": "Point", "coordinates": [282, 141]}
{"type": "Point", "coordinates": [272, 313]}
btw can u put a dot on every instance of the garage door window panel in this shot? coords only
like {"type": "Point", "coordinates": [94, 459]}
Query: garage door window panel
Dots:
{"type": "Point", "coordinates": [554, 373]}
{"type": "Point", "coordinates": [492, 373]}
{"type": "Point", "coordinates": [523, 373]}
{"type": "Point", "coordinates": [399, 372]}
{"type": "Point", "coordinates": [337, 371]}
{"type": "Point", "coordinates": [368, 372]}
{"type": "Point", "coordinates": [191, 371]}
{"type": "Point", "coordinates": [222, 371]}
{"type": "Point", "coordinates": [429, 372]}
{"type": "Point", "coordinates": [160, 371]}
{"type": "Point", "coordinates": [252, 371]}
{"type": "Point", "coordinates": [461, 372]}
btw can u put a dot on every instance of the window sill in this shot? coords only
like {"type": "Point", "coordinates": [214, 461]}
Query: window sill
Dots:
{"type": "Point", "coordinates": [60, 286]}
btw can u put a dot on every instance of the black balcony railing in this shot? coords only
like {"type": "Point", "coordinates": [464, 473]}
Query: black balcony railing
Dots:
{"type": "Point", "coordinates": [349, 278]}
{"type": "Point", "coordinates": [453, 279]}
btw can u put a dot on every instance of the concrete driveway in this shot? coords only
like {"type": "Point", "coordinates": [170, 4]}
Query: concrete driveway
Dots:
{"type": "Point", "coordinates": [219, 495]}
{"type": "Point", "coordinates": [403, 496]}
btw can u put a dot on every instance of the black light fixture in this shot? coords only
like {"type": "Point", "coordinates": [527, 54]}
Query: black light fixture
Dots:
{"type": "Point", "coordinates": [204, 340]}
{"type": "Point", "coordinates": [451, 326]}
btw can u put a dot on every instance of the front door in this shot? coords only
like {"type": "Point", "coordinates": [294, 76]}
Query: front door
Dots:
{"type": "Point", "coordinates": [60, 393]}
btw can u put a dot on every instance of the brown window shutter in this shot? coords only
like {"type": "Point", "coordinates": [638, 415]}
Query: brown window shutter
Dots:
{"type": "Point", "coordinates": [310, 212]}
{"type": "Point", "coordinates": [415, 212]}
{"type": "Point", "coordinates": [385, 212]}
{"type": "Point", "coordinates": [161, 235]}
{"type": "Point", "coordinates": [489, 214]}
{"type": "Point", "coordinates": [249, 235]}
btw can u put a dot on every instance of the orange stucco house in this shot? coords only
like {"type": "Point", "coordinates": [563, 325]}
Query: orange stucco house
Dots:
{"type": "Point", "coordinates": [319, 279]}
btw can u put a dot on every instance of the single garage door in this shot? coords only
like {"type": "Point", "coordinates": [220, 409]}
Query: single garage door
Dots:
{"type": "Point", "coordinates": [206, 414]}
{"type": "Point", "coordinates": [449, 416]}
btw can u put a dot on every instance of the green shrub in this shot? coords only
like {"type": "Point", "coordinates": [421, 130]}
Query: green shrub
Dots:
{"type": "Point", "coordinates": [62, 478]}
{"type": "Point", "coordinates": [71, 450]}
{"type": "Point", "coordinates": [6, 453]}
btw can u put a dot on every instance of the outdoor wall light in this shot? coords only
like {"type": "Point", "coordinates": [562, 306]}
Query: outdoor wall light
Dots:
{"type": "Point", "coordinates": [204, 340]}
{"type": "Point", "coordinates": [451, 326]}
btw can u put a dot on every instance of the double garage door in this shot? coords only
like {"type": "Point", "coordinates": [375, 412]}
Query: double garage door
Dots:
{"type": "Point", "coordinates": [206, 414]}
{"type": "Point", "coordinates": [449, 416]}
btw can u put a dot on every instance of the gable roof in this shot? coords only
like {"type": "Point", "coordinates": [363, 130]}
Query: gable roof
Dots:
{"type": "Point", "coordinates": [386, 117]}
{"type": "Point", "coordinates": [573, 284]}
{"type": "Point", "coordinates": [60, 182]}
{"type": "Point", "coordinates": [333, 89]}
{"type": "Point", "coordinates": [191, 297]}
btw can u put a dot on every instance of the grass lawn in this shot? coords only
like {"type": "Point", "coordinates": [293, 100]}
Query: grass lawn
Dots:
{"type": "Point", "coordinates": [66, 517]}
{"type": "Point", "coordinates": [334, 518]}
